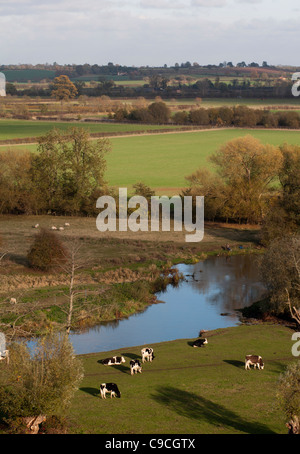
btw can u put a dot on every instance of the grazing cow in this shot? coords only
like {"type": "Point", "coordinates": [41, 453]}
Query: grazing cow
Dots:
{"type": "Point", "coordinates": [147, 354]}
{"type": "Point", "coordinates": [115, 360]}
{"type": "Point", "coordinates": [254, 360]}
{"type": "Point", "coordinates": [135, 366]}
{"type": "Point", "coordinates": [200, 342]}
{"type": "Point", "coordinates": [111, 388]}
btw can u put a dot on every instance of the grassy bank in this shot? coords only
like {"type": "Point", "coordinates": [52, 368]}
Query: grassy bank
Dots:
{"type": "Point", "coordinates": [189, 390]}
{"type": "Point", "coordinates": [115, 263]}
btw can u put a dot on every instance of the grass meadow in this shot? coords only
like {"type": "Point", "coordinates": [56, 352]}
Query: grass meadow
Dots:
{"type": "Point", "coordinates": [162, 161]}
{"type": "Point", "coordinates": [188, 390]}
{"type": "Point", "coordinates": [13, 129]}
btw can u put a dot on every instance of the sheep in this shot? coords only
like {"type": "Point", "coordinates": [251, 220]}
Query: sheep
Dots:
{"type": "Point", "coordinates": [36, 226]}
{"type": "Point", "coordinates": [61, 228]}
{"type": "Point", "coordinates": [67, 224]}
{"type": "Point", "coordinates": [53, 227]}
{"type": "Point", "coordinates": [13, 301]}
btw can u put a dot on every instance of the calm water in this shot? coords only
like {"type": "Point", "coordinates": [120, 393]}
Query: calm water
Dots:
{"type": "Point", "coordinates": [220, 285]}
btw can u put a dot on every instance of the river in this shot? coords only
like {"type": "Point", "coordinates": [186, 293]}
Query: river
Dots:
{"type": "Point", "coordinates": [206, 299]}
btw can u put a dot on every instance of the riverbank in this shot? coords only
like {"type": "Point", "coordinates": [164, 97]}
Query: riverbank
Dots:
{"type": "Point", "coordinates": [123, 270]}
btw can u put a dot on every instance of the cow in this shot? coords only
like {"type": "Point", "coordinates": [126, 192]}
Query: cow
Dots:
{"type": "Point", "coordinates": [4, 355]}
{"type": "Point", "coordinates": [135, 366]}
{"type": "Point", "coordinates": [200, 342]}
{"type": "Point", "coordinates": [111, 388]}
{"type": "Point", "coordinates": [147, 354]}
{"type": "Point", "coordinates": [254, 360]}
{"type": "Point", "coordinates": [113, 361]}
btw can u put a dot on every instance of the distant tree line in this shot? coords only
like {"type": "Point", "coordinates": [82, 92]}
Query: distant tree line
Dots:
{"type": "Point", "coordinates": [239, 116]}
{"type": "Point", "coordinates": [158, 84]}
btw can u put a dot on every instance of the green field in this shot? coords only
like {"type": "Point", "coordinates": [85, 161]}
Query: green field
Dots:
{"type": "Point", "coordinates": [229, 102]}
{"type": "Point", "coordinates": [164, 160]}
{"type": "Point", "coordinates": [161, 161]}
{"type": "Point", "coordinates": [189, 390]}
{"type": "Point", "coordinates": [13, 129]}
{"type": "Point", "coordinates": [26, 75]}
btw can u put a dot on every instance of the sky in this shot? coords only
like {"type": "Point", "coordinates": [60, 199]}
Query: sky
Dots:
{"type": "Point", "coordinates": [149, 32]}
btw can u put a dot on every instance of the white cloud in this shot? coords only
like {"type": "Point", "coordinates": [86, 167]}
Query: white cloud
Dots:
{"type": "Point", "coordinates": [142, 32]}
{"type": "Point", "coordinates": [209, 3]}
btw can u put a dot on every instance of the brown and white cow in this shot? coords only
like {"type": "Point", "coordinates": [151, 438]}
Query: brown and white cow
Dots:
{"type": "Point", "coordinates": [254, 360]}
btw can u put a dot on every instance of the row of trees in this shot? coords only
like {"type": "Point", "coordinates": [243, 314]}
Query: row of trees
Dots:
{"type": "Point", "coordinates": [252, 182]}
{"type": "Point", "coordinates": [239, 116]}
{"type": "Point", "coordinates": [177, 87]}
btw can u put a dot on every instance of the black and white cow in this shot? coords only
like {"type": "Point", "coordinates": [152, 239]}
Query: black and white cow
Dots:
{"type": "Point", "coordinates": [113, 361]}
{"type": "Point", "coordinates": [135, 366]}
{"type": "Point", "coordinates": [254, 360]}
{"type": "Point", "coordinates": [200, 342]}
{"type": "Point", "coordinates": [111, 388]}
{"type": "Point", "coordinates": [147, 354]}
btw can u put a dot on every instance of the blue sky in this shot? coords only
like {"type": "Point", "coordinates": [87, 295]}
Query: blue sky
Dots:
{"type": "Point", "coordinates": [149, 32]}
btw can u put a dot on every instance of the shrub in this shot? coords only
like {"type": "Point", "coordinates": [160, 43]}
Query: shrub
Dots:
{"type": "Point", "coordinates": [39, 383]}
{"type": "Point", "coordinates": [289, 396]}
{"type": "Point", "coordinates": [46, 252]}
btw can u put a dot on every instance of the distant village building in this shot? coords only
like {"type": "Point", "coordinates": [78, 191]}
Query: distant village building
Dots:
{"type": "Point", "coordinates": [2, 85]}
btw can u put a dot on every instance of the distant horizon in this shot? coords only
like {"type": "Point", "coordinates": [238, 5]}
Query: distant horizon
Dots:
{"type": "Point", "coordinates": [172, 65]}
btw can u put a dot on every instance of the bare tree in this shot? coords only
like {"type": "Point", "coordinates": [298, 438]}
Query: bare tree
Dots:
{"type": "Point", "coordinates": [75, 261]}
{"type": "Point", "coordinates": [280, 269]}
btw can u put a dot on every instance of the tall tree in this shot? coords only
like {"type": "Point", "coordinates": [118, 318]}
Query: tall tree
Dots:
{"type": "Point", "coordinates": [63, 89]}
{"type": "Point", "coordinates": [247, 167]}
{"type": "Point", "coordinates": [69, 170]}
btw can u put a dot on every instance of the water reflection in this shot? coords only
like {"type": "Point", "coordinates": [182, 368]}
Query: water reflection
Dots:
{"type": "Point", "coordinates": [227, 281]}
{"type": "Point", "coordinates": [212, 288]}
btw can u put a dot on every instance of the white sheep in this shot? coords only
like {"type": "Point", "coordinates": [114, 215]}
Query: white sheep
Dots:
{"type": "Point", "coordinates": [36, 226]}
{"type": "Point", "coordinates": [13, 301]}
{"type": "Point", "coordinates": [67, 224]}
{"type": "Point", "coordinates": [61, 228]}
{"type": "Point", "coordinates": [53, 227]}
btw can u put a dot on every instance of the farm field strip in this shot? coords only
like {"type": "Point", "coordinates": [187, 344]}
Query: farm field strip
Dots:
{"type": "Point", "coordinates": [13, 129]}
{"type": "Point", "coordinates": [162, 161]}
